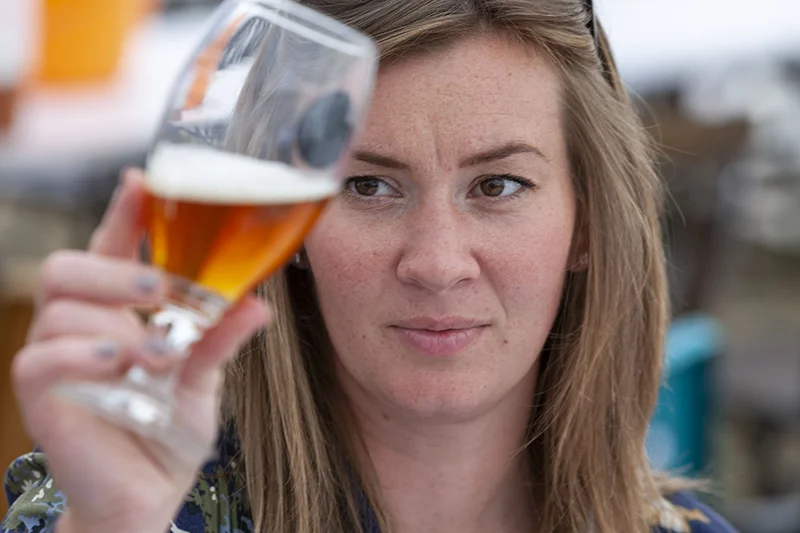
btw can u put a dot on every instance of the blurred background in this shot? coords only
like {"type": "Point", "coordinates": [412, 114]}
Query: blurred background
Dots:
{"type": "Point", "coordinates": [83, 84]}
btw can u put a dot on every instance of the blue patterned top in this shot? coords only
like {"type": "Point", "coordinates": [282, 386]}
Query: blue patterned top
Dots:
{"type": "Point", "coordinates": [214, 505]}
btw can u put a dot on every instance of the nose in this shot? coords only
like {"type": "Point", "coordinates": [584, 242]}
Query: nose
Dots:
{"type": "Point", "coordinates": [438, 253]}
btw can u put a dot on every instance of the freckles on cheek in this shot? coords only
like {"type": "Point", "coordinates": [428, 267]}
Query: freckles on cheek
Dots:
{"type": "Point", "coordinates": [531, 268]}
{"type": "Point", "coordinates": [346, 259]}
{"type": "Point", "coordinates": [533, 254]}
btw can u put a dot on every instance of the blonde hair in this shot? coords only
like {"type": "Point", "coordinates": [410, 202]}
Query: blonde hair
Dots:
{"type": "Point", "coordinates": [601, 366]}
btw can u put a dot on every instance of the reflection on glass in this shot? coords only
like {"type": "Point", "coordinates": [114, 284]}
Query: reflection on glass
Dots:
{"type": "Point", "coordinates": [248, 156]}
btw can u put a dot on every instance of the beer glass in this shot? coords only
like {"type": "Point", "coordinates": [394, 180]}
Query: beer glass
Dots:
{"type": "Point", "coordinates": [249, 152]}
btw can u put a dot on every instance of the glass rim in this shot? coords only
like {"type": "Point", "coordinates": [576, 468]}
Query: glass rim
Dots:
{"type": "Point", "coordinates": [341, 37]}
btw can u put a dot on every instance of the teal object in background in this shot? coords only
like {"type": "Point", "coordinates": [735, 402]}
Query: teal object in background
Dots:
{"type": "Point", "coordinates": [678, 438]}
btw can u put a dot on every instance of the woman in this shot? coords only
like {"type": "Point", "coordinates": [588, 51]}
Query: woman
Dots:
{"type": "Point", "coordinates": [470, 340]}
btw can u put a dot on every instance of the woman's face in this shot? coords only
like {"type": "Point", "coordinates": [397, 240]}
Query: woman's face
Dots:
{"type": "Point", "coordinates": [439, 271]}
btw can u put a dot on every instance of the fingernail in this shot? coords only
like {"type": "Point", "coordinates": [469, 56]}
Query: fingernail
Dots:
{"type": "Point", "coordinates": [156, 346]}
{"type": "Point", "coordinates": [147, 283]}
{"type": "Point", "coordinates": [107, 349]}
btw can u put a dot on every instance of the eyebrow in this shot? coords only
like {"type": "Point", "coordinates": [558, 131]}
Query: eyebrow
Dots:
{"type": "Point", "coordinates": [489, 156]}
{"type": "Point", "coordinates": [502, 152]}
{"type": "Point", "coordinates": [378, 160]}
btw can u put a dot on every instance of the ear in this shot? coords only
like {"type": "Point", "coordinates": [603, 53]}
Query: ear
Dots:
{"type": "Point", "coordinates": [578, 260]}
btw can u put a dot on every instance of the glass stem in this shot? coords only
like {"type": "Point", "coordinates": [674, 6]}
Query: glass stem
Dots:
{"type": "Point", "coordinates": [144, 402]}
{"type": "Point", "coordinates": [177, 330]}
{"type": "Point", "coordinates": [189, 310]}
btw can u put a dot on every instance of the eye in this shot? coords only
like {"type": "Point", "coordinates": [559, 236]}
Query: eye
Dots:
{"type": "Point", "coordinates": [368, 186]}
{"type": "Point", "coordinates": [502, 186]}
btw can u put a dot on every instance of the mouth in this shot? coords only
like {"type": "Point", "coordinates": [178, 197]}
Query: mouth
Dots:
{"type": "Point", "coordinates": [439, 337]}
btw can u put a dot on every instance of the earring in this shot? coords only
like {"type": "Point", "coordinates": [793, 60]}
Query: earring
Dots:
{"type": "Point", "coordinates": [300, 260]}
{"type": "Point", "coordinates": [582, 263]}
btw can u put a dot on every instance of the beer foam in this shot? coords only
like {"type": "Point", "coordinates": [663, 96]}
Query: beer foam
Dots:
{"type": "Point", "coordinates": [201, 174]}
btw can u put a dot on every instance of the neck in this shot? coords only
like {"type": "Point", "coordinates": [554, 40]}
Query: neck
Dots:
{"type": "Point", "coordinates": [453, 476]}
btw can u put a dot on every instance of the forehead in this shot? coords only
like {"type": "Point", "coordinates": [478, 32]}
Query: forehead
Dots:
{"type": "Point", "coordinates": [480, 90]}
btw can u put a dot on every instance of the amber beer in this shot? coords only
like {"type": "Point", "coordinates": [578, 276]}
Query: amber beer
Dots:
{"type": "Point", "coordinates": [225, 221]}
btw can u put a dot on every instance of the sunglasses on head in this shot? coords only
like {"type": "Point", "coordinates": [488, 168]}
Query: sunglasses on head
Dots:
{"type": "Point", "coordinates": [594, 30]}
{"type": "Point", "coordinates": [592, 21]}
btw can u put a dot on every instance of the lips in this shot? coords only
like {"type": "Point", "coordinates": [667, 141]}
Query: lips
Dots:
{"type": "Point", "coordinates": [439, 337]}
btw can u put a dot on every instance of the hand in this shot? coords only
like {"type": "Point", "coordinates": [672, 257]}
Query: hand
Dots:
{"type": "Point", "coordinates": [86, 329]}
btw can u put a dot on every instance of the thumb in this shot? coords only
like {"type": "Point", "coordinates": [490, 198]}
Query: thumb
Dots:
{"type": "Point", "coordinates": [120, 232]}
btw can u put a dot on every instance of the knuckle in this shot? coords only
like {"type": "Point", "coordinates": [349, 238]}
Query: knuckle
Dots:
{"type": "Point", "coordinates": [52, 271]}
{"type": "Point", "coordinates": [23, 369]}
{"type": "Point", "coordinates": [53, 315]}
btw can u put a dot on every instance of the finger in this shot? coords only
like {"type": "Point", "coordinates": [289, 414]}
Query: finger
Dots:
{"type": "Point", "coordinates": [41, 370]}
{"type": "Point", "coordinates": [121, 229]}
{"type": "Point", "coordinates": [63, 318]}
{"type": "Point", "coordinates": [83, 276]}
{"type": "Point", "coordinates": [201, 372]}
{"type": "Point", "coordinates": [40, 366]}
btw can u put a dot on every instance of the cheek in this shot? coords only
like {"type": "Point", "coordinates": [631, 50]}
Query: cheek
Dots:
{"type": "Point", "coordinates": [532, 257]}
{"type": "Point", "coordinates": [528, 270]}
{"type": "Point", "coordinates": [348, 261]}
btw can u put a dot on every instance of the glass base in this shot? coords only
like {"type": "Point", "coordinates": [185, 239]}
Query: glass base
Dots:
{"type": "Point", "coordinates": [143, 411]}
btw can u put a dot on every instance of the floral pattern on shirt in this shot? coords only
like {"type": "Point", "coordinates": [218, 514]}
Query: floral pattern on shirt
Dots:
{"type": "Point", "coordinates": [215, 504]}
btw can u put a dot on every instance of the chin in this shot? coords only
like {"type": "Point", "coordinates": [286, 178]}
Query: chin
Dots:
{"type": "Point", "coordinates": [444, 392]}
{"type": "Point", "coordinates": [438, 398]}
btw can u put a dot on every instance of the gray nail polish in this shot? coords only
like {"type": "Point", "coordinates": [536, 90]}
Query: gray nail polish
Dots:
{"type": "Point", "coordinates": [107, 349]}
{"type": "Point", "coordinates": [156, 346]}
{"type": "Point", "coordinates": [147, 283]}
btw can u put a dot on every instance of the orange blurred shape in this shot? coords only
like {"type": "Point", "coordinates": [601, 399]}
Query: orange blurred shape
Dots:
{"type": "Point", "coordinates": [83, 40]}
{"type": "Point", "coordinates": [206, 65]}
{"type": "Point", "coordinates": [149, 7]}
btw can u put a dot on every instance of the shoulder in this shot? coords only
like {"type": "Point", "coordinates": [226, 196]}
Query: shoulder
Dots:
{"type": "Point", "coordinates": [681, 512]}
